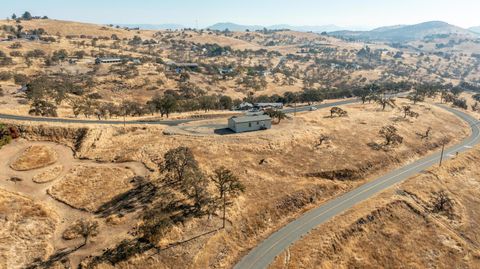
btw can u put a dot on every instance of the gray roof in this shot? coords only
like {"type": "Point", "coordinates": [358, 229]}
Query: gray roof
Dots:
{"type": "Point", "coordinates": [269, 104]}
{"type": "Point", "coordinates": [250, 118]}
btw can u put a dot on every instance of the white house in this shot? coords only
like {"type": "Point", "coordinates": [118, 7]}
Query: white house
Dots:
{"type": "Point", "coordinates": [249, 123]}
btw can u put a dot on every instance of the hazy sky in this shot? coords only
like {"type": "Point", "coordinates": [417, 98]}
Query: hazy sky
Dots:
{"type": "Point", "coordinates": [372, 13]}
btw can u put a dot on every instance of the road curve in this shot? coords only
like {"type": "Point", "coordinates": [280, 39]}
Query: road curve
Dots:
{"type": "Point", "coordinates": [263, 254]}
{"type": "Point", "coordinates": [162, 122]}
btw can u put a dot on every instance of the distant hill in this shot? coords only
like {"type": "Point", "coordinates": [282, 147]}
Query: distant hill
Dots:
{"type": "Point", "coordinates": [475, 29]}
{"type": "Point", "coordinates": [401, 33]}
{"type": "Point", "coordinates": [154, 26]}
{"type": "Point", "coordinates": [222, 26]}
{"type": "Point", "coordinates": [306, 28]}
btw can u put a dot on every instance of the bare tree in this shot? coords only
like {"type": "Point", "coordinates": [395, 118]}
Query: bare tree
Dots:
{"type": "Point", "coordinates": [87, 229]}
{"type": "Point", "coordinates": [338, 111]}
{"type": "Point", "coordinates": [391, 136]}
{"type": "Point", "coordinates": [385, 101]}
{"type": "Point", "coordinates": [322, 138]}
{"type": "Point", "coordinates": [228, 186]}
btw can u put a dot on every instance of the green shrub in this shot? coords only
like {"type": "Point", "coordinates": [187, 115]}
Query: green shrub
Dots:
{"type": "Point", "coordinates": [5, 135]}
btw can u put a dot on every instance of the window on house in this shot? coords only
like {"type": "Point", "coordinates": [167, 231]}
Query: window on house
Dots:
{"type": "Point", "coordinates": [249, 124]}
{"type": "Point", "coordinates": [258, 123]}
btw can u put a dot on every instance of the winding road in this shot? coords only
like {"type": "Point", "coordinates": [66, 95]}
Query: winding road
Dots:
{"type": "Point", "coordinates": [162, 122]}
{"type": "Point", "coordinates": [264, 254]}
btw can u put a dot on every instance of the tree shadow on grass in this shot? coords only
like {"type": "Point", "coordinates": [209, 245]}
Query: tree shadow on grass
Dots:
{"type": "Point", "coordinates": [143, 194]}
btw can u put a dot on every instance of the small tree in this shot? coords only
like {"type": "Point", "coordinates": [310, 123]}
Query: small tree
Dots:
{"type": "Point", "coordinates": [338, 111]}
{"type": "Point", "coordinates": [166, 105]}
{"type": "Point", "coordinates": [385, 101]}
{"type": "Point", "coordinates": [390, 133]}
{"type": "Point", "coordinates": [460, 102]}
{"type": "Point", "coordinates": [442, 203]}
{"type": "Point", "coordinates": [228, 187]}
{"type": "Point", "coordinates": [5, 135]}
{"type": "Point", "coordinates": [26, 16]}
{"type": "Point", "coordinates": [276, 114]}
{"type": "Point", "coordinates": [426, 135]}
{"type": "Point", "coordinates": [407, 110]}
{"type": "Point", "coordinates": [321, 139]}
{"type": "Point", "coordinates": [88, 229]}
{"type": "Point", "coordinates": [43, 108]}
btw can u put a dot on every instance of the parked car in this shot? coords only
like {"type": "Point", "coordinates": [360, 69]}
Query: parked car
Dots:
{"type": "Point", "coordinates": [313, 108]}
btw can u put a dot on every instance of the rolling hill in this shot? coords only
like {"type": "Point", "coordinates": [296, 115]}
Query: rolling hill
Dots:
{"type": "Point", "coordinates": [401, 33]}
{"type": "Point", "coordinates": [305, 28]}
{"type": "Point", "coordinates": [475, 29]}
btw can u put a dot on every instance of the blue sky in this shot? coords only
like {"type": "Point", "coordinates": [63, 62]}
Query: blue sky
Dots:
{"type": "Point", "coordinates": [371, 13]}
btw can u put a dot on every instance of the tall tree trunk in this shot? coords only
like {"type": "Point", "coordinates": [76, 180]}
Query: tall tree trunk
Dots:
{"type": "Point", "coordinates": [224, 209]}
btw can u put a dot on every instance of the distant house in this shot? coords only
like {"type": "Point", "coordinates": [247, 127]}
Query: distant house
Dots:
{"type": "Point", "coordinates": [108, 60]}
{"type": "Point", "coordinates": [180, 67]}
{"type": "Point", "coordinates": [268, 105]}
{"type": "Point", "coordinates": [30, 37]}
{"type": "Point", "coordinates": [225, 71]}
{"type": "Point", "coordinates": [249, 123]}
{"type": "Point", "coordinates": [136, 61]}
{"type": "Point", "coordinates": [244, 106]}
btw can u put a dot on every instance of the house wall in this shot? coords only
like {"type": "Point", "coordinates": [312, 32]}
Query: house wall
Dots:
{"type": "Point", "coordinates": [249, 126]}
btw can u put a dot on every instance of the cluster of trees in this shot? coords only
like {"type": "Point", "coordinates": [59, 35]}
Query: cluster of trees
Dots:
{"type": "Point", "coordinates": [7, 133]}
{"type": "Point", "coordinates": [47, 93]}
{"type": "Point", "coordinates": [193, 190]}
{"type": "Point", "coordinates": [276, 114]}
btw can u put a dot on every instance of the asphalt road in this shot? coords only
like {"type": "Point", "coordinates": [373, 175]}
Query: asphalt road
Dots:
{"type": "Point", "coordinates": [106, 122]}
{"type": "Point", "coordinates": [264, 254]}
{"type": "Point", "coordinates": [139, 122]}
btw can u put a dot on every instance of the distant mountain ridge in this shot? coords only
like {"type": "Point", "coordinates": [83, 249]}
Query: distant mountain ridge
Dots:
{"type": "Point", "coordinates": [165, 26]}
{"type": "Point", "coordinates": [475, 29]}
{"type": "Point", "coordinates": [401, 33]}
{"type": "Point", "coordinates": [306, 28]}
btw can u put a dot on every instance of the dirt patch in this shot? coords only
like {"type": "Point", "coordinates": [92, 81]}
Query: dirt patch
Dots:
{"type": "Point", "coordinates": [26, 230]}
{"type": "Point", "coordinates": [48, 175]}
{"type": "Point", "coordinates": [35, 157]}
{"type": "Point", "coordinates": [88, 187]}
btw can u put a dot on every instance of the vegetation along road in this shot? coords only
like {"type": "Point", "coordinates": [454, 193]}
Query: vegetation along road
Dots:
{"type": "Point", "coordinates": [163, 122]}
{"type": "Point", "coordinates": [262, 255]}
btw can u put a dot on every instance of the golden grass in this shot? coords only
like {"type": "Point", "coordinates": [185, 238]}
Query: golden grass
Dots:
{"type": "Point", "coordinates": [26, 229]}
{"type": "Point", "coordinates": [35, 157]}
{"type": "Point", "coordinates": [88, 187]}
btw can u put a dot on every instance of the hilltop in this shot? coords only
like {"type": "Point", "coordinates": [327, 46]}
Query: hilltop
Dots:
{"type": "Point", "coordinates": [475, 29]}
{"type": "Point", "coordinates": [402, 33]}
{"type": "Point", "coordinates": [304, 28]}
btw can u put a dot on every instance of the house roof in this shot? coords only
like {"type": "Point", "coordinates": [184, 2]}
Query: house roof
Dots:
{"type": "Point", "coordinates": [269, 104]}
{"type": "Point", "coordinates": [250, 118]}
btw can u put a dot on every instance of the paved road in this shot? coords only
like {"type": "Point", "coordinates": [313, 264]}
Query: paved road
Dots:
{"type": "Point", "coordinates": [108, 122]}
{"type": "Point", "coordinates": [162, 122]}
{"type": "Point", "coordinates": [262, 255]}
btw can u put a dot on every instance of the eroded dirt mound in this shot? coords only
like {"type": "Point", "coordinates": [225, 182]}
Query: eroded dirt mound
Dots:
{"type": "Point", "coordinates": [35, 157]}
{"type": "Point", "coordinates": [88, 187]}
{"type": "Point", "coordinates": [26, 230]}
{"type": "Point", "coordinates": [48, 175]}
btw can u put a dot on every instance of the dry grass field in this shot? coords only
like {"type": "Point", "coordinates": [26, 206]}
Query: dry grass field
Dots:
{"type": "Point", "coordinates": [89, 187]}
{"type": "Point", "coordinates": [318, 173]}
{"type": "Point", "coordinates": [26, 230]}
{"type": "Point", "coordinates": [403, 226]}
{"type": "Point", "coordinates": [56, 177]}
{"type": "Point", "coordinates": [34, 157]}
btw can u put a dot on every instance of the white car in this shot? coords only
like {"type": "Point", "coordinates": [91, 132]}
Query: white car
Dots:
{"type": "Point", "coordinates": [313, 108]}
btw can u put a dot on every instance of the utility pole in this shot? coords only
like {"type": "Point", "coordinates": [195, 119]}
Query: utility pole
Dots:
{"type": "Point", "coordinates": [441, 156]}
